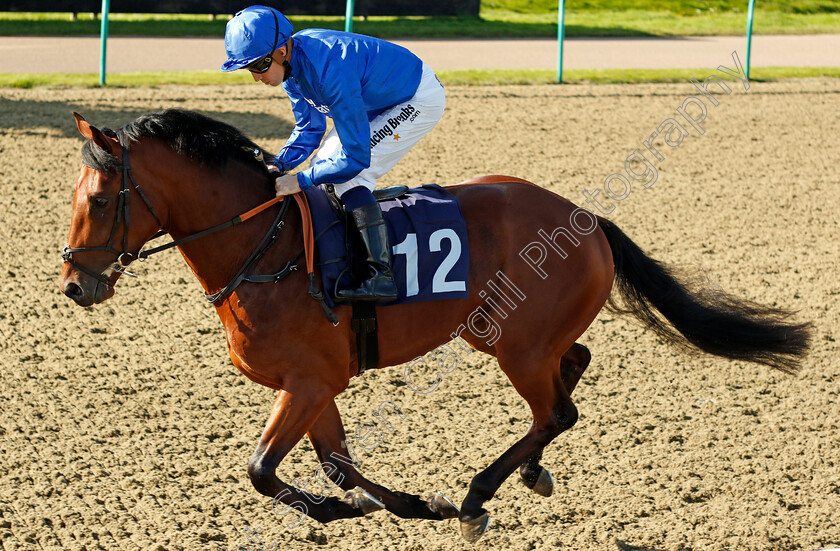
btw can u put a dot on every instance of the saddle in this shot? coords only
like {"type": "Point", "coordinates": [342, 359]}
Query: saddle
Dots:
{"type": "Point", "coordinates": [430, 252]}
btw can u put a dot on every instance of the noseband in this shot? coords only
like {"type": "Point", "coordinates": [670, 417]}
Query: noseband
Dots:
{"type": "Point", "coordinates": [124, 257]}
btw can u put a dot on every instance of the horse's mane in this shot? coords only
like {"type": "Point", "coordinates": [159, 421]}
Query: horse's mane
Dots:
{"type": "Point", "coordinates": [207, 141]}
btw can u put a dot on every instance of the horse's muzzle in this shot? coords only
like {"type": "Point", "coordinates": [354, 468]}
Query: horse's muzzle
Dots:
{"type": "Point", "coordinates": [73, 291]}
{"type": "Point", "coordinates": [86, 291]}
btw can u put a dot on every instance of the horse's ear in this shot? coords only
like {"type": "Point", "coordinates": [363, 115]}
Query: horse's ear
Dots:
{"type": "Point", "coordinates": [94, 134]}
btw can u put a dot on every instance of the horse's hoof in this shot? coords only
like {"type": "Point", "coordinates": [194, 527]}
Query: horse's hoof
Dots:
{"type": "Point", "coordinates": [361, 499]}
{"type": "Point", "coordinates": [442, 505]}
{"type": "Point", "coordinates": [475, 528]}
{"type": "Point", "coordinates": [545, 483]}
{"type": "Point", "coordinates": [542, 485]}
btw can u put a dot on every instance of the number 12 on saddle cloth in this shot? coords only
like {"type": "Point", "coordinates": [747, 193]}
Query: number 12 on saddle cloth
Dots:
{"type": "Point", "coordinates": [429, 246]}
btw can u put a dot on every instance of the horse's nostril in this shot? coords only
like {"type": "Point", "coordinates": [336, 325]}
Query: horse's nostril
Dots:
{"type": "Point", "coordinates": [73, 291]}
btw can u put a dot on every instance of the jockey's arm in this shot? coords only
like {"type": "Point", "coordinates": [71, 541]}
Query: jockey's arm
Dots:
{"type": "Point", "coordinates": [348, 111]}
{"type": "Point", "coordinates": [310, 126]}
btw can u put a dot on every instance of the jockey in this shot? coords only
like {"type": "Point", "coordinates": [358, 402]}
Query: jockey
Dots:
{"type": "Point", "coordinates": [381, 97]}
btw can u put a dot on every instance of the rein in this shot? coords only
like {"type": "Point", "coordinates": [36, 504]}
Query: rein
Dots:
{"type": "Point", "coordinates": [125, 258]}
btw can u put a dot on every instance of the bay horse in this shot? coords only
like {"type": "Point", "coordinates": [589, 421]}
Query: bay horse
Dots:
{"type": "Point", "coordinates": [541, 269]}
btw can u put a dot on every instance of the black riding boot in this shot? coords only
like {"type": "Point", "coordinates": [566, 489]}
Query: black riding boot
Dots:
{"type": "Point", "coordinates": [379, 286]}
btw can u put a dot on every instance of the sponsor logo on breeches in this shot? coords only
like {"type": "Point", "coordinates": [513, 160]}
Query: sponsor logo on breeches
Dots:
{"type": "Point", "coordinates": [407, 113]}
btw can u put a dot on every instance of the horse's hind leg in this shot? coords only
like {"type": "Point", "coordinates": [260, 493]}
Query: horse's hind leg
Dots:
{"type": "Point", "coordinates": [535, 376]}
{"type": "Point", "coordinates": [328, 439]}
{"type": "Point", "coordinates": [572, 365]}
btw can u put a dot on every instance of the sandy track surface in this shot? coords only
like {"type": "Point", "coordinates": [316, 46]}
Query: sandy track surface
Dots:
{"type": "Point", "coordinates": [124, 426]}
{"type": "Point", "coordinates": [131, 54]}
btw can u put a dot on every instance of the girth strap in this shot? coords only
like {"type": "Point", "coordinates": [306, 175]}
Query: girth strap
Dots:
{"type": "Point", "coordinates": [367, 337]}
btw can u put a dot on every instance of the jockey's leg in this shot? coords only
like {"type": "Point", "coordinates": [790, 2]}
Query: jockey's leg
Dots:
{"type": "Point", "coordinates": [366, 216]}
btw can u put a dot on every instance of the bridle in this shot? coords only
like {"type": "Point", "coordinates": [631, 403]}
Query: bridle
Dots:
{"type": "Point", "coordinates": [124, 257]}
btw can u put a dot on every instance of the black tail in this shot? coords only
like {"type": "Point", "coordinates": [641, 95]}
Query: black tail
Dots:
{"type": "Point", "coordinates": [710, 320]}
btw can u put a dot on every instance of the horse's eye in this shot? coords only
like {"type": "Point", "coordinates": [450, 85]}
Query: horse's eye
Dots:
{"type": "Point", "coordinates": [99, 202]}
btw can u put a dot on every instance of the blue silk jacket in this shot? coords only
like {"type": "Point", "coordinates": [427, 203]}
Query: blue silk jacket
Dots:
{"type": "Point", "coordinates": [350, 78]}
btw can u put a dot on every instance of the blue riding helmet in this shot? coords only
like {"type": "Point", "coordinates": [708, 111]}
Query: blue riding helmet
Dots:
{"type": "Point", "coordinates": [253, 33]}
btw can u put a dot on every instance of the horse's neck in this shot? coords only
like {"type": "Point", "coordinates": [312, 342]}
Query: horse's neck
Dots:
{"type": "Point", "coordinates": [201, 198]}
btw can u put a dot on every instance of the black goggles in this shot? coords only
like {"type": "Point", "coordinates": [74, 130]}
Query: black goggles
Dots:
{"type": "Point", "coordinates": [262, 65]}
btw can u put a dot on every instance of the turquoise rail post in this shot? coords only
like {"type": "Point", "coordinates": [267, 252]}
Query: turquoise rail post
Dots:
{"type": "Point", "coordinates": [348, 17]}
{"type": "Point", "coordinates": [749, 36]}
{"type": "Point", "coordinates": [561, 32]}
{"type": "Point", "coordinates": [106, 7]}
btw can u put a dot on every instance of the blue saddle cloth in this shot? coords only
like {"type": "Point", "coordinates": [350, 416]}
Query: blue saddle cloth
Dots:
{"type": "Point", "coordinates": [428, 237]}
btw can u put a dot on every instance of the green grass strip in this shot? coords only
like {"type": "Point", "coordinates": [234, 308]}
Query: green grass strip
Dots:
{"type": "Point", "coordinates": [123, 80]}
{"type": "Point", "coordinates": [499, 77]}
{"type": "Point", "coordinates": [493, 23]}
{"type": "Point", "coordinates": [618, 76]}
{"type": "Point", "coordinates": [654, 23]}
{"type": "Point", "coordinates": [685, 7]}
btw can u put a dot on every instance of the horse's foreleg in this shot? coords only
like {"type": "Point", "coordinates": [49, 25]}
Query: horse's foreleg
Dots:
{"type": "Point", "coordinates": [541, 385]}
{"type": "Point", "coordinates": [329, 440]}
{"type": "Point", "coordinates": [293, 414]}
{"type": "Point", "coordinates": [572, 365]}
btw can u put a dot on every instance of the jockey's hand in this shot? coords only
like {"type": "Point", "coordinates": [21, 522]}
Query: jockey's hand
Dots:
{"type": "Point", "coordinates": [273, 170]}
{"type": "Point", "coordinates": [286, 185]}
